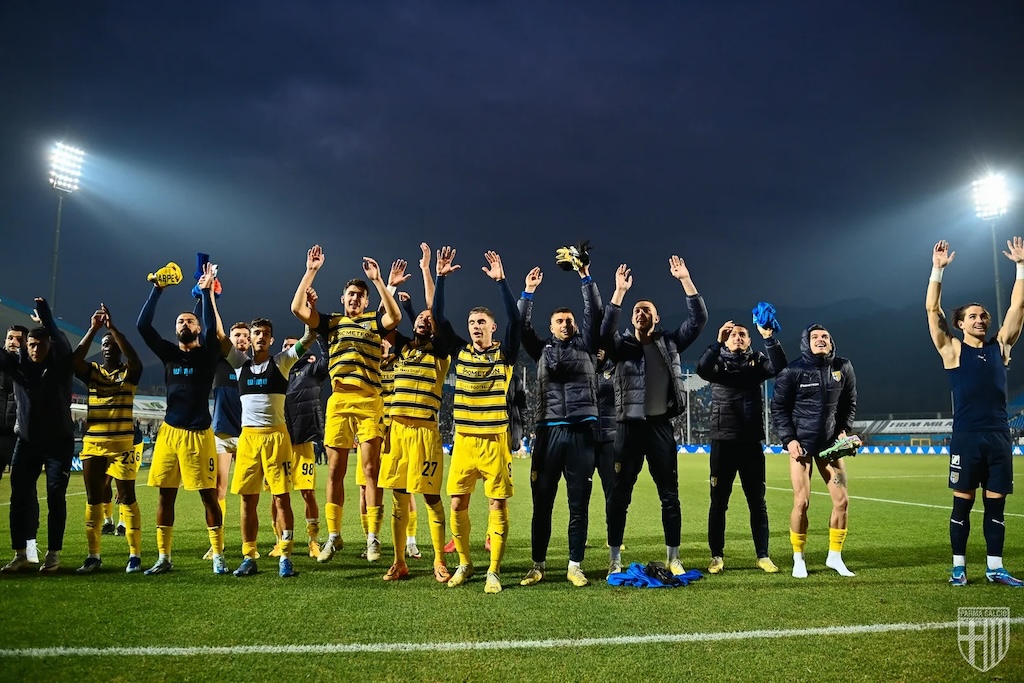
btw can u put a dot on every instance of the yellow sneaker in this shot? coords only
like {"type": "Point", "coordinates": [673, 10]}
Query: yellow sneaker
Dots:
{"type": "Point", "coordinates": [717, 566]}
{"type": "Point", "coordinates": [766, 565]}
{"type": "Point", "coordinates": [577, 577]}
{"type": "Point", "coordinates": [314, 549]}
{"type": "Point", "coordinates": [276, 552]}
{"type": "Point", "coordinates": [166, 276]}
{"type": "Point", "coordinates": [209, 554]}
{"type": "Point", "coordinates": [493, 584]}
{"type": "Point", "coordinates": [533, 577]}
{"type": "Point", "coordinates": [461, 575]}
{"type": "Point", "coordinates": [676, 567]}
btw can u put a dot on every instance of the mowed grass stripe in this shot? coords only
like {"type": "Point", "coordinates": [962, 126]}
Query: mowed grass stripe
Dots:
{"type": "Point", "coordinates": [381, 648]}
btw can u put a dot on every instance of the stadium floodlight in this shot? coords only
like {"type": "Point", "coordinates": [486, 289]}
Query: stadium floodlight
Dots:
{"type": "Point", "coordinates": [65, 167]}
{"type": "Point", "coordinates": [65, 170]}
{"type": "Point", "coordinates": [991, 201]}
{"type": "Point", "coordinates": [991, 198]}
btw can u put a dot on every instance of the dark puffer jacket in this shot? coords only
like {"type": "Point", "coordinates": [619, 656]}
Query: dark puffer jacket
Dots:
{"type": "Point", "coordinates": [626, 351]}
{"type": "Point", "coordinates": [607, 426]}
{"type": "Point", "coordinates": [566, 372]}
{"type": "Point", "coordinates": [303, 409]}
{"type": "Point", "coordinates": [8, 406]}
{"type": "Point", "coordinates": [815, 398]}
{"type": "Point", "coordinates": [737, 410]}
{"type": "Point", "coordinates": [515, 403]}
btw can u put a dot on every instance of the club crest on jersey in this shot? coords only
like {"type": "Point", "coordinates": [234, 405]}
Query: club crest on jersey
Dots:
{"type": "Point", "coordinates": [366, 326]}
{"type": "Point", "coordinates": [837, 375]}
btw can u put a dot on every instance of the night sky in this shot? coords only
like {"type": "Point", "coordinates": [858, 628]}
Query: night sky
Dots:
{"type": "Point", "coordinates": [804, 153]}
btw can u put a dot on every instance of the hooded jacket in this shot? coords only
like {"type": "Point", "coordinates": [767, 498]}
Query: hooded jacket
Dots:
{"type": "Point", "coordinates": [737, 410]}
{"type": "Point", "coordinates": [815, 398]}
{"type": "Point", "coordinates": [303, 408]}
{"type": "Point", "coordinates": [626, 351]}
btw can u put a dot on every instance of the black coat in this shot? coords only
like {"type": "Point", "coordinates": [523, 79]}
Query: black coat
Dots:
{"type": "Point", "coordinates": [303, 408]}
{"type": "Point", "coordinates": [815, 399]}
{"type": "Point", "coordinates": [737, 410]}
{"type": "Point", "coordinates": [626, 351]}
{"type": "Point", "coordinates": [8, 406]}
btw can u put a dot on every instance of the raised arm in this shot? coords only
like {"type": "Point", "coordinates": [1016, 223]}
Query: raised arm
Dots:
{"type": "Point", "coordinates": [392, 314]}
{"type": "Point", "coordinates": [150, 336]}
{"type": "Point", "coordinates": [776, 354]}
{"type": "Point", "coordinates": [445, 266]}
{"type": "Point", "coordinates": [530, 341]}
{"type": "Point", "coordinates": [611, 313]}
{"type": "Point", "coordinates": [938, 327]}
{"type": "Point", "coordinates": [210, 322]}
{"type": "Point", "coordinates": [78, 361]}
{"type": "Point", "coordinates": [591, 327]}
{"type": "Point", "coordinates": [513, 329]}
{"type": "Point", "coordinates": [707, 366]}
{"type": "Point", "coordinates": [698, 311]}
{"type": "Point", "coordinates": [428, 278]}
{"type": "Point", "coordinates": [59, 343]}
{"type": "Point", "coordinates": [300, 307]}
{"type": "Point", "coordinates": [1009, 333]}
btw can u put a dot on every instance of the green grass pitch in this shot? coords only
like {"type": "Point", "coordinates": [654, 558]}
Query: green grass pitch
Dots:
{"type": "Point", "coordinates": [900, 553]}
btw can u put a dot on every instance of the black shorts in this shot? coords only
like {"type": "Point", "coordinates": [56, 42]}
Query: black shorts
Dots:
{"type": "Point", "coordinates": [982, 459]}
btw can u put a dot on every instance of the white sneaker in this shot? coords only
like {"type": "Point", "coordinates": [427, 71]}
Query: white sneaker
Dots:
{"type": "Point", "coordinates": [326, 551]}
{"type": "Point", "coordinates": [32, 551]}
{"type": "Point", "coordinates": [614, 567]}
{"type": "Point", "coordinates": [411, 550]}
{"type": "Point", "coordinates": [373, 551]}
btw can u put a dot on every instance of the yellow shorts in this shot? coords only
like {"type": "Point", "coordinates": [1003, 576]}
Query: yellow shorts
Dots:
{"type": "Point", "coordinates": [414, 461]}
{"type": "Point", "coordinates": [263, 453]}
{"type": "Point", "coordinates": [125, 467]}
{"type": "Point", "coordinates": [303, 467]}
{"type": "Point", "coordinates": [184, 457]}
{"type": "Point", "coordinates": [481, 456]}
{"type": "Point", "coordinates": [352, 415]}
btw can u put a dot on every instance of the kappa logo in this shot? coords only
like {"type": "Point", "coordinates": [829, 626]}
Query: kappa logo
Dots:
{"type": "Point", "coordinates": [714, 482]}
{"type": "Point", "coordinates": [983, 635]}
{"type": "Point", "coordinates": [954, 477]}
{"type": "Point", "coordinates": [837, 375]}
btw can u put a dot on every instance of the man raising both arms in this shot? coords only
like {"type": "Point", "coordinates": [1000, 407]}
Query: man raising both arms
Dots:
{"type": "Point", "coordinates": [355, 408]}
{"type": "Point", "coordinates": [109, 442]}
{"type": "Point", "coordinates": [483, 368]}
{"type": "Point", "coordinates": [185, 453]}
{"type": "Point", "coordinates": [980, 451]}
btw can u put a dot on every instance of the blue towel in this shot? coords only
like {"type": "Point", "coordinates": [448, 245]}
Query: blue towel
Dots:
{"type": "Point", "coordinates": [764, 315]}
{"type": "Point", "coordinates": [634, 575]}
{"type": "Point", "coordinates": [201, 261]}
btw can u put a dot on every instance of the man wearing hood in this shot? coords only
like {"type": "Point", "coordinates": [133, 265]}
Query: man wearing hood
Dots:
{"type": "Point", "coordinates": [649, 392]}
{"type": "Point", "coordinates": [814, 405]}
{"type": "Point", "coordinates": [567, 379]}
{"type": "Point", "coordinates": [736, 374]}
{"type": "Point", "coordinates": [980, 452]}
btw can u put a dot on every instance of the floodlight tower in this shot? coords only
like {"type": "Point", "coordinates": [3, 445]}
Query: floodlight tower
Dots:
{"type": "Point", "coordinates": [65, 169]}
{"type": "Point", "coordinates": [991, 200]}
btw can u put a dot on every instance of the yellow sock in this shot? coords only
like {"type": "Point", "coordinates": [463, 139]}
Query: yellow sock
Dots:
{"type": "Point", "coordinates": [836, 538]}
{"type": "Point", "coordinates": [364, 522]}
{"type": "Point", "coordinates": [797, 540]}
{"type": "Point", "coordinates": [435, 519]}
{"type": "Point", "coordinates": [410, 527]}
{"type": "Point", "coordinates": [497, 529]}
{"type": "Point", "coordinates": [287, 543]}
{"type": "Point", "coordinates": [399, 524]}
{"type": "Point", "coordinates": [374, 518]}
{"type": "Point", "coordinates": [249, 549]}
{"type": "Point", "coordinates": [108, 511]}
{"type": "Point", "coordinates": [133, 528]}
{"type": "Point", "coordinates": [313, 531]}
{"type": "Point", "coordinates": [461, 528]}
{"type": "Point", "coordinates": [332, 511]}
{"type": "Point", "coordinates": [164, 540]}
{"type": "Point", "coordinates": [216, 539]}
{"type": "Point", "coordinates": [93, 527]}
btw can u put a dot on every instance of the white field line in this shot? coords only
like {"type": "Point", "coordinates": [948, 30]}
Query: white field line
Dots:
{"type": "Point", "coordinates": [977, 508]}
{"type": "Point", "coordinates": [42, 500]}
{"type": "Point", "coordinates": [376, 648]}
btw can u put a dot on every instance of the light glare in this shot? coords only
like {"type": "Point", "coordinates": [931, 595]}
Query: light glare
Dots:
{"type": "Point", "coordinates": [65, 167]}
{"type": "Point", "coordinates": [991, 198]}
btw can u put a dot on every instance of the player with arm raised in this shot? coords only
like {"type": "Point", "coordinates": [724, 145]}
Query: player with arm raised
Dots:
{"type": "Point", "coordinates": [355, 408]}
{"type": "Point", "coordinates": [980, 450]}
{"type": "Point", "coordinates": [483, 368]}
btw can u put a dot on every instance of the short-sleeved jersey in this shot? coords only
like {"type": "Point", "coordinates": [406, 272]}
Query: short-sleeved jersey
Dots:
{"type": "Point", "coordinates": [262, 387]}
{"type": "Point", "coordinates": [481, 389]}
{"type": "Point", "coordinates": [353, 349]}
{"type": "Point", "coordinates": [111, 399]}
{"type": "Point", "coordinates": [419, 381]}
